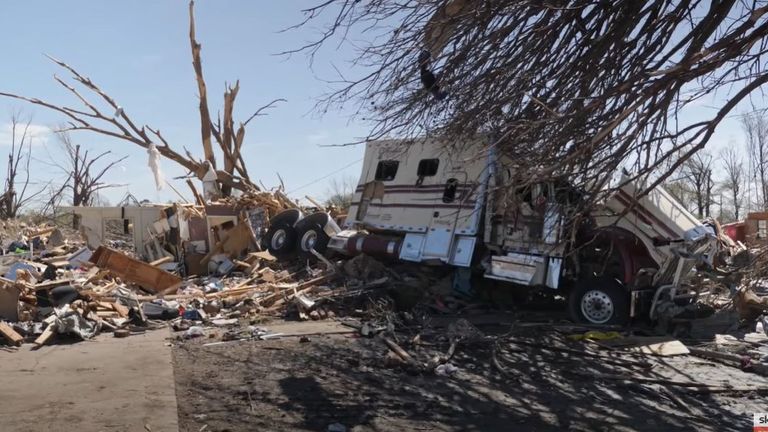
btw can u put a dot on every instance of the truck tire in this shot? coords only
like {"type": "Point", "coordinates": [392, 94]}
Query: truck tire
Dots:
{"type": "Point", "coordinates": [599, 300]}
{"type": "Point", "coordinates": [280, 239]}
{"type": "Point", "coordinates": [312, 232]}
{"type": "Point", "coordinates": [311, 237]}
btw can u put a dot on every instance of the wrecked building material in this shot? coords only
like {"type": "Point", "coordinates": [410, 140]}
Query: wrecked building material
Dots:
{"type": "Point", "coordinates": [10, 334]}
{"type": "Point", "coordinates": [94, 227]}
{"type": "Point", "coordinates": [9, 300]}
{"type": "Point", "coordinates": [150, 278]}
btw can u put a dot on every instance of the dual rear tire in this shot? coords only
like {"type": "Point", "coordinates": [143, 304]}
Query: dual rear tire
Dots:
{"type": "Point", "coordinates": [290, 234]}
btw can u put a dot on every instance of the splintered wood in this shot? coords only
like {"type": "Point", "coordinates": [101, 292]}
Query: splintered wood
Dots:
{"type": "Point", "coordinates": [10, 334]}
{"type": "Point", "coordinates": [272, 202]}
{"type": "Point", "coordinates": [148, 277]}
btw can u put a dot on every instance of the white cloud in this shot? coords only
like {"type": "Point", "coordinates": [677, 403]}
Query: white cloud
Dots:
{"type": "Point", "coordinates": [39, 134]}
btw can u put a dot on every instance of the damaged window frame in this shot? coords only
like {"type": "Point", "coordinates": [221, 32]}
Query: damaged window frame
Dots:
{"type": "Point", "coordinates": [428, 167]}
{"type": "Point", "coordinates": [383, 169]}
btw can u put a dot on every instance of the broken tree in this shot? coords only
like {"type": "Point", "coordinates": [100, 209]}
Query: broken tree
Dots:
{"type": "Point", "coordinates": [83, 180]}
{"type": "Point", "coordinates": [16, 194]}
{"type": "Point", "coordinates": [108, 118]}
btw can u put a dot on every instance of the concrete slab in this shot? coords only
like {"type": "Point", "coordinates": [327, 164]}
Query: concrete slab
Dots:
{"type": "Point", "coordinates": [107, 384]}
{"type": "Point", "coordinates": [307, 327]}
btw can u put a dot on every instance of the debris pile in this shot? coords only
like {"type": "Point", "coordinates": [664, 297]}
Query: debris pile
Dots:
{"type": "Point", "coordinates": [194, 266]}
{"type": "Point", "coordinates": [203, 269]}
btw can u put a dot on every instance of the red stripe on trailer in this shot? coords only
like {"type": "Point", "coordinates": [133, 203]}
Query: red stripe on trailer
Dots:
{"type": "Point", "coordinates": [633, 209]}
{"type": "Point", "coordinates": [636, 204]}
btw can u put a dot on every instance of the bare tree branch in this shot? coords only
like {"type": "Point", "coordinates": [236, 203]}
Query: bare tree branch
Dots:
{"type": "Point", "coordinates": [120, 125]}
{"type": "Point", "coordinates": [574, 89]}
{"type": "Point", "coordinates": [17, 181]}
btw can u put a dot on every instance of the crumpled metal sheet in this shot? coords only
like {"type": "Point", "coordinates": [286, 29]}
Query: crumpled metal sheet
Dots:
{"type": "Point", "coordinates": [126, 297]}
{"type": "Point", "coordinates": [69, 321]}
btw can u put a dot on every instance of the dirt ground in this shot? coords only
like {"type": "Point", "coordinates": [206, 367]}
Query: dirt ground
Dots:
{"type": "Point", "coordinates": [289, 385]}
{"type": "Point", "coordinates": [106, 384]}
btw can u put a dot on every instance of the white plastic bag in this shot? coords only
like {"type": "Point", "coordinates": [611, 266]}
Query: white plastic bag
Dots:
{"type": "Point", "coordinates": [154, 165]}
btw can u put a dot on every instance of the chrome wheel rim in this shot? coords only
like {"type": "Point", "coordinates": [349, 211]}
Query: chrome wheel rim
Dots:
{"type": "Point", "coordinates": [278, 239]}
{"type": "Point", "coordinates": [597, 307]}
{"type": "Point", "coordinates": [308, 241]}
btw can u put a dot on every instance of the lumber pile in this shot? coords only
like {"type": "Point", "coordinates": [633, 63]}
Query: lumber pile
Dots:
{"type": "Point", "coordinates": [63, 289]}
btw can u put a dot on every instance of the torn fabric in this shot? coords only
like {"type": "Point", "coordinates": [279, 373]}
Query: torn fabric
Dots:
{"type": "Point", "coordinates": [154, 165]}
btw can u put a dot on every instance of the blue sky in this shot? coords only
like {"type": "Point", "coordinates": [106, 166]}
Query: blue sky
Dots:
{"type": "Point", "coordinates": [139, 53]}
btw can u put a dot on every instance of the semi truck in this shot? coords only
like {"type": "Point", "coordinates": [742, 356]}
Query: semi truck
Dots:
{"type": "Point", "coordinates": [456, 205]}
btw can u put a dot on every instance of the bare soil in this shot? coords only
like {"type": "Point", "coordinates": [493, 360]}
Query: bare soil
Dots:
{"type": "Point", "coordinates": [102, 385]}
{"type": "Point", "coordinates": [288, 385]}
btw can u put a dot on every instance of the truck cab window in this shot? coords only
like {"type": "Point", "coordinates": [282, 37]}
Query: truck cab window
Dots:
{"type": "Point", "coordinates": [386, 170]}
{"type": "Point", "coordinates": [428, 167]}
{"type": "Point", "coordinates": [449, 194]}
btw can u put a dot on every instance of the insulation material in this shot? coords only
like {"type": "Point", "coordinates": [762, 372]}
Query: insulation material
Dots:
{"type": "Point", "coordinates": [161, 226]}
{"type": "Point", "coordinates": [154, 165]}
{"type": "Point", "coordinates": [173, 221]}
{"type": "Point", "coordinates": [69, 321]}
{"type": "Point", "coordinates": [183, 223]}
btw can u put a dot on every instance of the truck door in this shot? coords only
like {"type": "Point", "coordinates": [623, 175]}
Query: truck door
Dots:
{"type": "Point", "coordinates": [445, 215]}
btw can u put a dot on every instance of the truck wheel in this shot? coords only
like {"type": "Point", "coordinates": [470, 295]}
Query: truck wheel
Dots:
{"type": "Point", "coordinates": [312, 237]}
{"type": "Point", "coordinates": [281, 240]}
{"type": "Point", "coordinates": [312, 233]}
{"type": "Point", "coordinates": [599, 301]}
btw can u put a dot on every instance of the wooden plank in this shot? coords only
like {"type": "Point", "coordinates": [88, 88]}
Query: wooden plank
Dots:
{"type": "Point", "coordinates": [114, 307]}
{"type": "Point", "coordinates": [46, 336]}
{"type": "Point", "coordinates": [43, 231]}
{"type": "Point", "coordinates": [121, 310]}
{"type": "Point", "coordinates": [52, 284]}
{"type": "Point", "coordinates": [397, 349]}
{"type": "Point", "coordinates": [242, 264]}
{"type": "Point", "coordinates": [57, 262]}
{"type": "Point", "coordinates": [10, 334]}
{"type": "Point", "coordinates": [265, 255]}
{"type": "Point", "coordinates": [162, 260]}
{"type": "Point", "coordinates": [171, 289]}
{"type": "Point", "coordinates": [107, 314]}
{"type": "Point", "coordinates": [150, 278]}
{"type": "Point", "coordinates": [105, 289]}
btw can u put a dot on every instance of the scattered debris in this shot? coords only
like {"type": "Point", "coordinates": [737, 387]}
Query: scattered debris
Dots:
{"type": "Point", "coordinates": [10, 334]}
{"type": "Point", "coordinates": [147, 276]}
